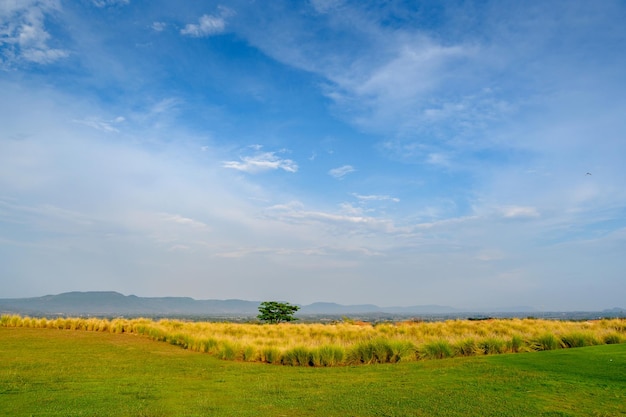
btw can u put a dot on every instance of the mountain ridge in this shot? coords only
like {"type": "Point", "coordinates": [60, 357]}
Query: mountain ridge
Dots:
{"type": "Point", "coordinates": [112, 303]}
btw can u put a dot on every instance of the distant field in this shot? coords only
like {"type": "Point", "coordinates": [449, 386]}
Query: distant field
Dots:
{"type": "Point", "coordinates": [49, 372]}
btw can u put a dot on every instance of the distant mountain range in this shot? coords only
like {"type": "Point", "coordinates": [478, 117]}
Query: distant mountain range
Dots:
{"type": "Point", "coordinates": [107, 303]}
{"type": "Point", "coordinates": [110, 303]}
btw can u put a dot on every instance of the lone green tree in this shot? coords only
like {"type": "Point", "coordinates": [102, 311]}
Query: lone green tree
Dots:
{"type": "Point", "coordinates": [275, 312]}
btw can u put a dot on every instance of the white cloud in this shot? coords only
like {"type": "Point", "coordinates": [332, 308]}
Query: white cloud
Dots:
{"type": "Point", "coordinates": [349, 209]}
{"type": "Point", "coordinates": [47, 216]}
{"type": "Point", "coordinates": [186, 221]}
{"type": "Point", "coordinates": [351, 220]}
{"type": "Point", "coordinates": [23, 33]}
{"type": "Point", "coordinates": [324, 6]}
{"type": "Point", "coordinates": [341, 172]}
{"type": "Point", "coordinates": [43, 56]}
{"type": "Point", "coordinates": [438, 159]}
{"type": "Point", "coordinates": [208, 24]}
{"type": "Point", "coordinates": [446, 223]}
{"type": "Point", "coordinates": [107, 3]}
{"type": "Point", "coordinates": [519, 212]}
{"type": "Point", "coordinates": [488, 255]}
{"type": "Point", "coordinates": [408, 90]}
{"type": "Point", "coordinates": [379, 78]}
{"type": "Point", "coordinates": [158, 113]}
{"type": "Point", "coordinates": [261, 162]}
{"type": "Point", "coordinates": [103, 125]}
{"type": "Point", "coordinates": [374, 197]}
{"type": "Point", "coordinates": [165, 105]}
{"type": "Point", "coordinates": [416, 69]}
{"type": "Point", "coordinates": [159, 26]}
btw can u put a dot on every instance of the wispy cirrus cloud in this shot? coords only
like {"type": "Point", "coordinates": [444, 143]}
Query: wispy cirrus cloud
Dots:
{"type": "Point", "coordinates": [261, 162]}
{"type": "Point", "coordinates": [417, 84]}
{"type": "Point", "coordinates": [375, 197]}
{"type": "Point", "coordinates": [208, 25]}
{"type": "Point", "coordinates": [349, 219]}
{"type": "Point", "coordinates": [103, 125]}
{"type": "Point", "coordinates": [185, 221]}
{"type": "Point", "coordinates": [388, 81]}
{"type": "Point", "coordinates": [108, 3]}
{"type": "Point", "coordinates": [341, 171]}
{"type": "Point", "coordinates": [519, 212]}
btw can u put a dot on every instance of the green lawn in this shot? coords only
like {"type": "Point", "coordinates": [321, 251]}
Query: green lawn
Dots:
{"type": "Point", "coordinates": [46, 372]}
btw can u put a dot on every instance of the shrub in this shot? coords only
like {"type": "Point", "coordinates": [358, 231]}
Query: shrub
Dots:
{"type": "Point", "coordinates": [316, 357]}
{"type": "Point", "coordinates": [227, 351]}
{"type": "Point", "coordinates": [90, 326]}
{"type": "Point", "coordinates": [270, 355]}
{"type": "Point", "coordinates": [298, 356]}
{"type": "Point", "coordinates": [208, 345]}
{"type": "Point", "coordinates": [402, 350]}
{"type": "Point", "coordinates": [491, 345]}
{"type": "Point", "coordinates": [578, 339]}
{"type": "Point", "coordinates": [78, 324]}
{"type": "Point", "coordinates": [180, 339]}
{"type": "Point", "coordinates": [102, 326]}
{"type": "Point", "coordinates": [465, 347]}
{"type": "Point", "coordinates": [361, 353]}
{"type": "Point", "coordinates": [330, 355]}
{"type": "Point", "coordinates": [516, 344]}
{"type": "Point", "coordinates": [437, 349]}
{"type": "Point", "coordinates": [371, 351]}
{"type": "Point", "coordinates": [156, 334]}
{"type": "Point", "coordinates": [546, 341]}
{"type": "Point", "coordinates": [117, 326]}
{"type": "Point", "coordinates": [59, 323]}
{"type": "Point", "coordinates": [612, 338]}
{"type": "Point", "coordinates": [250, 354]}
{"type": "Point", "coordinates": [381, 350]}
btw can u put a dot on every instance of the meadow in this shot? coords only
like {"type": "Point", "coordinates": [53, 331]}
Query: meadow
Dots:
{"type": "Point", "coordinates": [47, 372]}
{"type": "Point", "coordinates": [349, 342]}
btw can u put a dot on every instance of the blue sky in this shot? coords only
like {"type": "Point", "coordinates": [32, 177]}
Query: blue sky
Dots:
{"type": "Point", "coordinates": [468, 154]}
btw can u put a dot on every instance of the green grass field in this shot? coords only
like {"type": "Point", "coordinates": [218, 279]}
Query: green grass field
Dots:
{"type": "Point", "coordinates": [48, 372]}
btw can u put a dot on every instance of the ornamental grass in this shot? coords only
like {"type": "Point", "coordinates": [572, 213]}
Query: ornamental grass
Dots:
{"type": "Point", "coordinates": [350, 343]}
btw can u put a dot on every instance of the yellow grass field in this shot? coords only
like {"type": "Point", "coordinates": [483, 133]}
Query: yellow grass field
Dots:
{"type": "Point", "coordinates": [349, 343]}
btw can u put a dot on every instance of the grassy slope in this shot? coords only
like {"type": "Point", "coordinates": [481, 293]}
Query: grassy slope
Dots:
{"type": "Point", "coordinates": [67, 373]}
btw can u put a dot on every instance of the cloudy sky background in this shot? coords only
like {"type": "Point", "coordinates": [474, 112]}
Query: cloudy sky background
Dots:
{"type": "Point", "coordinates": [399, 154]}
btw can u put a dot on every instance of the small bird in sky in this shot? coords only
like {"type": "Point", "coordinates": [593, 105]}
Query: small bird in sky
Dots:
{"type": "Point", "coordinates": [588, 173]}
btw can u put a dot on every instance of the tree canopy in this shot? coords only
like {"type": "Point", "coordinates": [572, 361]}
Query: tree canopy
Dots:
{"type": "Point", "coordinates": [277, 312]}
